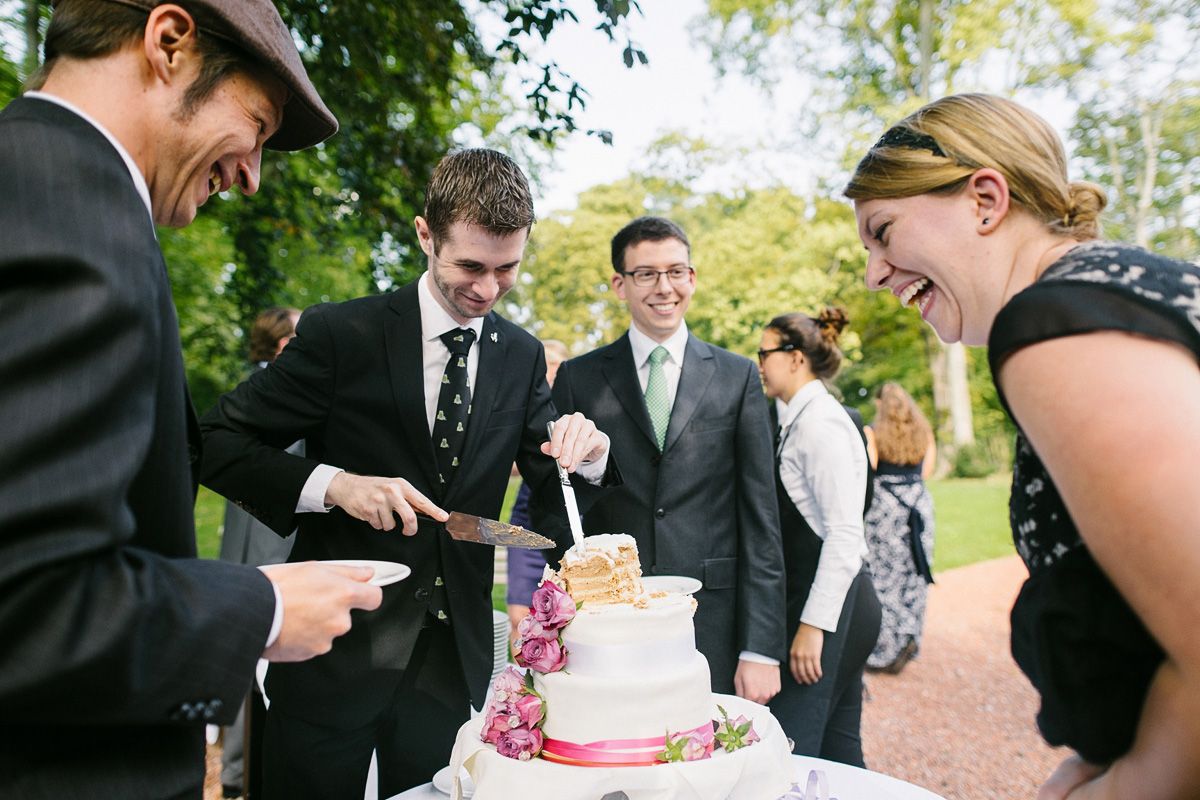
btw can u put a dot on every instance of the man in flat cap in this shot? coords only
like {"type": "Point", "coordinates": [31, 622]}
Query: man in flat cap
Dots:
{"type": "Point", "coordinates": [117, 644]}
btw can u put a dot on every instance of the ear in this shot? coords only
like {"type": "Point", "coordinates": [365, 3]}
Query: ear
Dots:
{"type": "Point", "coordinates": [169, 41]}
{"type": "Point", "coordinates": [424, 235]}
{"type": "Point", "coordinates": [988, 191]}
{"type": "Point", "coordinates": [618, 283]}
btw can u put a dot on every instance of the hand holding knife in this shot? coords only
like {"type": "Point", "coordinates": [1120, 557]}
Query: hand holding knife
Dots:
{"type": "Point", "coordinates": [569, 498]}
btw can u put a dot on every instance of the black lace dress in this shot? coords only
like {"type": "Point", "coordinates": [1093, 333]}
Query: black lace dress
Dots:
{"type": "Point", "coordinates": [1073, 635]}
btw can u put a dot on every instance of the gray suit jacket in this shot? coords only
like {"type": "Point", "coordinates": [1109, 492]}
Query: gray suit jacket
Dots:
{"type": "Point", "coordinates": [116, 643]}
{"type": "Point", "coordinates": [705, 507]}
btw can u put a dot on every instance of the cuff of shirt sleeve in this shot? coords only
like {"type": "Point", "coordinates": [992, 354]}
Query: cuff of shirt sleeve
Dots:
{"type": "Point", "coordinates": [593, 471]}
{"type": "Point", "coordinates": [312, 496]}
{"type": "Point", "coordinates": [277, 620]}
{"type": "Point", "coordinates": [757, 658]}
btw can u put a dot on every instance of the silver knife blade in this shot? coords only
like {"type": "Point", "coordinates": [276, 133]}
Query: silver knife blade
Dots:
{"type": "Point", "coordinates": [469, 528]}
{"type": "Point", "coordinates": [568, 498]}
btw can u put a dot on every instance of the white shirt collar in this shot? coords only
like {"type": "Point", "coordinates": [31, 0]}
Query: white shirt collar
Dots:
{"type": "Point", "coordinates": [811, 391]}
{"type": "Point", "coordinates": [435, 320]}
{"type": "Point", "coordinates": [643, 345]}
{"type": "Point", "coordinates": [139, 180]}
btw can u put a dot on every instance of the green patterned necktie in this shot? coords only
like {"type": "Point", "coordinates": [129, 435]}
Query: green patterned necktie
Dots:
{"type": "Point", "coordinates": [656, 396]}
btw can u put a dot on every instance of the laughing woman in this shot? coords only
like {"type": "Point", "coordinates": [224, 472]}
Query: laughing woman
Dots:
{"type": "Point", "coordinates": [966, 212]}
{"type": "Point", "coordinates": [820, 479]}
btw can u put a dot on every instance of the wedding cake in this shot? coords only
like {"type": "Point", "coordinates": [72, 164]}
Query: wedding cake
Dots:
{"type": "Point", "coordinates": [632, 671]}
{"type": "Point", "coordinates": [615, 697]}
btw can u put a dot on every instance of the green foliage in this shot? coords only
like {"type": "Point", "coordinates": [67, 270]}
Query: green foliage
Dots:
{"type": "Point", "coordinates": [971, 520]}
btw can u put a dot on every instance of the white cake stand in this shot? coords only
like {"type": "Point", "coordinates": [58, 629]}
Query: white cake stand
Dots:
{"type": "Point", "coordinates": [758, 772]}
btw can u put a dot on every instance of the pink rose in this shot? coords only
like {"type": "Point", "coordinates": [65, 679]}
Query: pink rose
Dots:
{"type": "Point", "coordinates": [541, 655]}
{"type": "Point", "coordinates": [552, 606]}
{"type": "Point", "coordinates": [494, 727]}
{"type": "Point", "coordinates": [510, 681]}
{"type": "Point", "coordinates": [750, 737]}
{"type": "Point", "coordinates": [531, 628]}
{"type": "Point", "coordinates": [529, 709]}
{"type": "Point", "coordinates": [697, 749]}
{"type": "Point", "coordinates": [520, 743]}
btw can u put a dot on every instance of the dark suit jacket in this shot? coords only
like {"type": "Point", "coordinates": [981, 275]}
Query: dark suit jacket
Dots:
{"type": "Point", "coordinates": [351, 385]}
{"type": "Point", "coordinates": [108, 623]}
{"type": "Point", "coordinates": [705, 507]}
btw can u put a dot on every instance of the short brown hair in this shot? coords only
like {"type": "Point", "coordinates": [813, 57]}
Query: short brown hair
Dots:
{"type": "Point", "coordinates": [269, 327]}
{"type": "Point", "coordinates": [86, 29]}
{"type": "Point", "coordinates": [645, 229]}
{"type": "Point", "coordinates": [480, 187]}
{"type": "Point", "coordinates": [938, 148]}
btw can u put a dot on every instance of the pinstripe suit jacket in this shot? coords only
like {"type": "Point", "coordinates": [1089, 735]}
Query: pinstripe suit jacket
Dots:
{"type": "Point", "coordinates": [116, 643]}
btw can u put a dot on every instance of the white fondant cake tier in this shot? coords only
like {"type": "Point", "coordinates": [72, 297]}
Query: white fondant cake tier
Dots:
{"type": "Point", "coordinates": [582, 709]}
{"type": "Point", "coordinates": [761, 771]}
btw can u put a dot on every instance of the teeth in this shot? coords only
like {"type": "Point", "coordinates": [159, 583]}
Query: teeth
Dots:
{"type": "Point", "coordinates": [912, 289]}
{"type": "Point", "coordinates": [214, 182]}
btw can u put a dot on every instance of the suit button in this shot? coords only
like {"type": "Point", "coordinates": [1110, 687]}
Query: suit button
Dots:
{"type": "Point", "coordinates": [421, 594]}
{"type": "Point", "coordinates": [660, 513]}
{"type": "Point", "coordinates": [656, 459]}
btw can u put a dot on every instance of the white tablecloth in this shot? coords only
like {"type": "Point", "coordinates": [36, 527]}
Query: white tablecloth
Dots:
{"type": "Point", "coordinates": [845, 783]}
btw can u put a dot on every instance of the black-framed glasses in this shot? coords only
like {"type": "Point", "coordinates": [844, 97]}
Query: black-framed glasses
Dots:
{"type": "Point", "coordinates": [644, 276]}
{"type": "Point", "coordinates": [783, 348]}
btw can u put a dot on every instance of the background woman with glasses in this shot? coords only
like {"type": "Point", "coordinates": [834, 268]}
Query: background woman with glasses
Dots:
{"type": "Point", "coordinates": [820, 480]}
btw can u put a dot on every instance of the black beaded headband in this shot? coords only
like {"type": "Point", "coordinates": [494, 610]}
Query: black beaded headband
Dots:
{"type": "Point", "coordinates": [900, 136]}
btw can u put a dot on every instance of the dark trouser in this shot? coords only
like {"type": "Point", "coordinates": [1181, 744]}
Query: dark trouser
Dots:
{"type": "Point", "coordinates": [412, 735]}
{"type": "Point", "coordinates": [823, 719]}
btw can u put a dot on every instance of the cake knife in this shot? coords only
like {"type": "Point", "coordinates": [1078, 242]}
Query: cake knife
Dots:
{"type": "Point", "coordinates": [569, 498]}
{"type": "Point", "coordinates": [470, 528]}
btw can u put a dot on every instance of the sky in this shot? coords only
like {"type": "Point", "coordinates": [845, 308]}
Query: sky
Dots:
{"type": "Point", "coordinates": [678, 91]}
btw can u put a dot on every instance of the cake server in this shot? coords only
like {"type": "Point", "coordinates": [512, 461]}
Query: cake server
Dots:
{"type": "Point", "coordinates": [470, 528]}
{"type": "Point", "coordinates": [569, 498]}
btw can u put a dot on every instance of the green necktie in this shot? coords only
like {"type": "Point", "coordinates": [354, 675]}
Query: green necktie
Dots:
{"type": "Point", "coordinates": [656, 396]}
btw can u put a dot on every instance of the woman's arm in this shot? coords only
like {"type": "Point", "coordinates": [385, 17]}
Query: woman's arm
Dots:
{"type": "Point", "coordinates": [1116, 420]}
{"type": "Point", "coordinates": [929, 463]}
{"type": "Point", "coordinates": [872, 448]}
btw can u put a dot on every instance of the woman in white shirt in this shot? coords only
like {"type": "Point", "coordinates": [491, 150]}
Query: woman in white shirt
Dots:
{"type": "Point", "coordinates": [821, 476]}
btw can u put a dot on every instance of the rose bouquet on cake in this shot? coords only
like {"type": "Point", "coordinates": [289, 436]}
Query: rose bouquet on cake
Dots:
{"type": "Point", "coordinates": [539, 636]}
{"type": "Point", "coordinates": [515, 714]}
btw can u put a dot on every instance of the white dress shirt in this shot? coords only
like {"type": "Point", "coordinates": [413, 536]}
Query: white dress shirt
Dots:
{"type": "Point", "coordinates": [823, 467]}
{"type": "Point", "coordinates": [435, 321]}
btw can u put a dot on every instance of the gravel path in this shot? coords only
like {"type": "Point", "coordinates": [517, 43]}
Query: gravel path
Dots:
{"type": "Point", "coordinates": [959, 719]}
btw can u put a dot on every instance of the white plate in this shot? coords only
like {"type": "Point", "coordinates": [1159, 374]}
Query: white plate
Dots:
{"type": "Point", "coordinates": [442, 781]}
{"type": "Point", "coordinates": [671, 584]}
{"type": "Point", "coordinates": [386, 572]}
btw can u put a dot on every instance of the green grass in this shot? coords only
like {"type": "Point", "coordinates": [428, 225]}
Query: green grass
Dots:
{"type": "Point", "coordinates": [210, 514]}
{"type": "Point", "coordinates": [971, 520]}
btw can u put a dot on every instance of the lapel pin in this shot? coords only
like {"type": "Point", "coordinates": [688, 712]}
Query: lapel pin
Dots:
{"type": "Point", "coordinates": [495, 338]}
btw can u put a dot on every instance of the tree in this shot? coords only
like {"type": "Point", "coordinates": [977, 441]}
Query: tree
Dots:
{"type": "Point", "coordinates": [408, 80]}
{"type": "Point", "coordinates": [878, 60]}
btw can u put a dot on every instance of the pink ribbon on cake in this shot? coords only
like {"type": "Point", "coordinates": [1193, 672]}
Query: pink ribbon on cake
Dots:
{"type": "Point", "coordinates": [613, 752]}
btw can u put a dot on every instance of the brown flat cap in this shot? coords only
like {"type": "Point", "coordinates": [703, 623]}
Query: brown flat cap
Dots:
{"type": "Point", "coordinates": [256, 27]}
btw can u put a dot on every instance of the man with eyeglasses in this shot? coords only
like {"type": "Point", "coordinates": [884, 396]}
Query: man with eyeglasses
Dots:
{"type": "Point", "coordinates": [690, 421]}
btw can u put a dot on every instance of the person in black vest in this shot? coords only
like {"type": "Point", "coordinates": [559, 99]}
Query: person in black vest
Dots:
{"type": "Point", "coordinates": [820, 479]}
{"type": "Point", "coordinates": [968, 215]}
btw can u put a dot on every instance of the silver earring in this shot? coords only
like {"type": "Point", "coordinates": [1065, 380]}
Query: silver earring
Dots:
{"type": "Point", "coordinates": [986, 220]}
